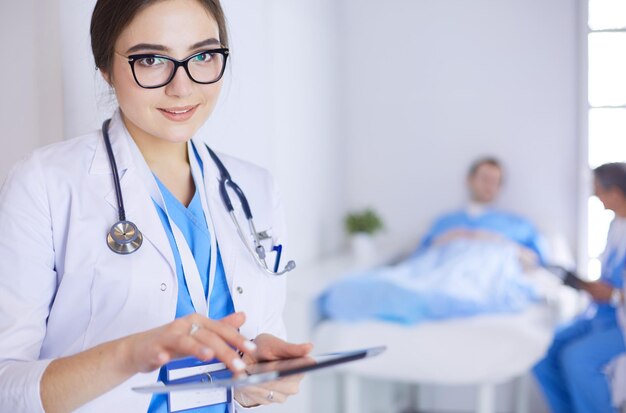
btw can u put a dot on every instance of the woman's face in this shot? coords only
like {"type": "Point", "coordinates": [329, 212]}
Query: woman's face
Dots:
{"type": "Point", "coordinates": [177, 29]}
{"type": "Point", "coordinates": [609, 197]}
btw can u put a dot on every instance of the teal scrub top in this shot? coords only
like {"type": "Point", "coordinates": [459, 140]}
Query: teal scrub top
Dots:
{"type": "Point", "coordinates": [192, 223]}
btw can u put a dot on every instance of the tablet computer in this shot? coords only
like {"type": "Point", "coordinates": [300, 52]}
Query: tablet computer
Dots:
{"type": "Point", "coordinates": [261, 372]}
{"type": "Point", "coordinates": [568, 277]}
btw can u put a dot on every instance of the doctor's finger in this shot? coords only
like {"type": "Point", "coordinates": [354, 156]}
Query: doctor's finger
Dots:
{"type": "Point", "coordinates": [234, 320]}
{"type": "Point", "coordinates": [221, 349]}
{"type": "Point", "coordinates": [186, 345]}
{"type": "Point", "coordinates": [230, 335]}
{"type": "Point", "coordinates": [289, 385]}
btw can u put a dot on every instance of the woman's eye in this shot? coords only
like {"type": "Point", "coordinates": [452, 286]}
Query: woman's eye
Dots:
{"type": "Point", "coordinates": [151, 61]}
{"type": "Point", "coordinates": [204, 57]}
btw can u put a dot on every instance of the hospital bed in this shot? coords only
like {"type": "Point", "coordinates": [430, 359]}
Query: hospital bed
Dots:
{"type": "Point", "coordinates": [481, 351]}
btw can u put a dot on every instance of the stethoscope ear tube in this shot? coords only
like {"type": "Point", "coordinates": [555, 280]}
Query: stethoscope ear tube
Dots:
{"type": "Point", "coordinates": [242, 198]}
{"type": "Point", "coordinates": [225, 197]}
{"type": "Point", "coordinates": [258, 253]}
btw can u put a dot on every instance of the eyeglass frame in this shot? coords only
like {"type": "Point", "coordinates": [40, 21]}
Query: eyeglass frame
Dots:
{"type": "Point", "coordinates": [132, 59]}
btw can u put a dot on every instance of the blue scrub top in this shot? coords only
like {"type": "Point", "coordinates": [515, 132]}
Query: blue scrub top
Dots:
{"type": "Point", "coordinates": [192, 223]}
{"type": "Point", "coordinates": [513, 227]}
{"type": "Point", "coordinates": [613, 268]}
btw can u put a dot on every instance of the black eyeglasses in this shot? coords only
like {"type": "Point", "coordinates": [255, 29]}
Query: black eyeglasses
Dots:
{"type": "Point", "coordinates": [152, 71]}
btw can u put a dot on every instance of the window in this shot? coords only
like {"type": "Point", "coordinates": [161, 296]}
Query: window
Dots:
{"type": "Point", "coordinates": [606, 42]}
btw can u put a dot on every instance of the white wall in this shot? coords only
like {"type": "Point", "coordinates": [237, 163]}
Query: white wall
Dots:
{"type": "Point", "coordinates": [432, 84]}
{"type": "Point", "coordinates": [30, 106]}
{"type": "Point", "coordinates": [429, 85]}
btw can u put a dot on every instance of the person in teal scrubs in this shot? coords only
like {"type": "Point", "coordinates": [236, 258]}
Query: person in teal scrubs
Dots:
{"type": "Point", "coordinates": [572, 374]}
{"type": "Point", "coordinates": [192, 222]}
{"type": "Point", "coordinates": [85, 324]}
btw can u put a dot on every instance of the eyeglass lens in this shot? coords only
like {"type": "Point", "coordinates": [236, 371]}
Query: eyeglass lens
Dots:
{"type": "Point", "coordinates": [157, 71]}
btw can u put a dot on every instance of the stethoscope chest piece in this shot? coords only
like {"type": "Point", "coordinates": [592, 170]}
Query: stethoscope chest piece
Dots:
{"type": "Point", "coordinates": [124, 238]}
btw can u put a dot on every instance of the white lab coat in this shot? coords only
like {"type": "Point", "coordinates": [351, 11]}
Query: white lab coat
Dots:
{"type": "Point", "coordinates": [63, 291]}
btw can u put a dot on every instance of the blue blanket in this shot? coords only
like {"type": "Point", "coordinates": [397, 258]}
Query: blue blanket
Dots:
{"type": "Point", "coordinates": [458, 279]}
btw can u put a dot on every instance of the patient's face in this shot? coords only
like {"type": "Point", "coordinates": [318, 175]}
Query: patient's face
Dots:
{"type": "Point", "coordinates": [485, 184]}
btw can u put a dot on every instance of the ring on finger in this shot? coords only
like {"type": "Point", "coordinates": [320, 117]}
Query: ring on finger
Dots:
{"type": "Point", "coordinates": [270, 395]}
{"type": "Point", "coordinates": [194, 329]}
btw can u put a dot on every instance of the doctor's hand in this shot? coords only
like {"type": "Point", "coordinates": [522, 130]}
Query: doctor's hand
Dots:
{"type": "Point", "coordinates": [599, 290]}
{"type": "Point", "coordinates": [277, 391]}
{"type": "Point", "coordinates": [193, 335]}
{"type": "Point", "coordinates": [271, 348]}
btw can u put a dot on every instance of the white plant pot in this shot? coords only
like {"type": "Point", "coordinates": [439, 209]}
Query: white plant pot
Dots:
{"type": "Point", "coordinates": [362, 246]}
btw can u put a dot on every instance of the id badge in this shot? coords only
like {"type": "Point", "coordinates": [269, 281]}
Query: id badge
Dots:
{"type": "Point", "coordinates": [189, 370]}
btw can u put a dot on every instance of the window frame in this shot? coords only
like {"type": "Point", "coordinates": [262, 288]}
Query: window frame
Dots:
{"type": "Point", "coordinates": [585, 177]}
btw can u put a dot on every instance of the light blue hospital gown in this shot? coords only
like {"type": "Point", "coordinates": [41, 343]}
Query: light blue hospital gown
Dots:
{"type": "Point", "coordinates": [572, 374]}
{"type": "Point", "coordinates": [193, 225]}
{"type": "Point", "coordinates": [510, 226]}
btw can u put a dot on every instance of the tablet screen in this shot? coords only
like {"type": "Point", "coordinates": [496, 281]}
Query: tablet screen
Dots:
{"type": "Point", "coordinates": [261, 372]}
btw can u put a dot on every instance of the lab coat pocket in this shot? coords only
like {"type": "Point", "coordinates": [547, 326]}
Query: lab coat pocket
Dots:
{"type": "Point", "coordinates": [111, 296]}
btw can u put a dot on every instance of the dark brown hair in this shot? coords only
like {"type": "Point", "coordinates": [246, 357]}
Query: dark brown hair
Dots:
{"type": "Point", "coordinates": [612, 175]}
{"type": "Point", "coordinates": [489, 160]}
{"type": "Point", "coordinates": [110, 18]}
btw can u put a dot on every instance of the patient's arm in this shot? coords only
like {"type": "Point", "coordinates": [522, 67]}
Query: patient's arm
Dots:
{"type": "Point", "coordinates": [453, 235]}
{"type": "Point", "coordinates": [528, 258]}
{"type": "Point", "coordinates": [467, 234]}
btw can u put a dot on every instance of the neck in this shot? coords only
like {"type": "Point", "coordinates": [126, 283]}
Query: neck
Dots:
{"type": "Point", "coordinates": [476, 203]}
{"type": "Point", "coordinates": [169, 161]}
{"type": "Point", "coordinates": [158, 153]}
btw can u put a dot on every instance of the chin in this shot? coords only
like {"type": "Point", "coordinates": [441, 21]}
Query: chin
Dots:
{"type": "Point", "coordinates": [177, 133]}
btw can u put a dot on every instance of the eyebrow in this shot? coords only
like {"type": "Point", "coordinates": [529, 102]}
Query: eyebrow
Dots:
{"type": "Point", "coordinates": [160, 48]}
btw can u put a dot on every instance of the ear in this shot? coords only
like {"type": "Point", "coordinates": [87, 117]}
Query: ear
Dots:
{"type": "Point", "coordinates": [107, 77]}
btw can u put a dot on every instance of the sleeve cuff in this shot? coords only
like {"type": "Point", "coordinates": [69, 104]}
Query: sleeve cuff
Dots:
{"type": "Point", "coordinates": [20, 385]}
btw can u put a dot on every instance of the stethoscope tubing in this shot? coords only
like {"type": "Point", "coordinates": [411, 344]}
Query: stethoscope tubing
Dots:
{"type": "Point", "coordinates": [120, 242]}
{"type": "Point", "coordinates": [116, 178]}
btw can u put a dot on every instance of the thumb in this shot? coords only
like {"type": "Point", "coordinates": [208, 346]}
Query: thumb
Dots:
{"type": "Point", "coordinates": [291, 350]}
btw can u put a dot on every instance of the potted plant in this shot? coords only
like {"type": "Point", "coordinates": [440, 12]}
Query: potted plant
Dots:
{"type": "Point", "coordinates": [361, 227]}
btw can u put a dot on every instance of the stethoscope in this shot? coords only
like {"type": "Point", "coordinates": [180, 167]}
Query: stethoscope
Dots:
{"type": "Point", "coordinates": [125, 238]}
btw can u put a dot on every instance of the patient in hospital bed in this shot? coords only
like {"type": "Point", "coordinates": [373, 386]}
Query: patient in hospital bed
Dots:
{"type": "Point", "coordinates": [481, 221]}
{"type": "Point", "coordinates": [470, 262]}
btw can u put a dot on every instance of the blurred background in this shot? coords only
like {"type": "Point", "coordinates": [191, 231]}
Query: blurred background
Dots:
{"type": "Point", "coordinates": [360, 103]}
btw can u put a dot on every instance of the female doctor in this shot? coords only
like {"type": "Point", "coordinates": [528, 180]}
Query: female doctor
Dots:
{"type": "Point", "coordinates": [573, 373]}
{"type": "Point", "coordinates": [118, 254]}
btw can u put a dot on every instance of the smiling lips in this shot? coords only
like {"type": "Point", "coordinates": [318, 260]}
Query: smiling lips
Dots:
{"type": "Point", "coordinates": [179, 114]}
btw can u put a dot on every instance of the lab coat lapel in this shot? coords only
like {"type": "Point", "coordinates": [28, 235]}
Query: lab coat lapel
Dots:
{"type": "Point", "coordinates": [137, 201]}
{"type": "Point", "coordinates": [224, 227]}
{"type": "Point", "coordinates": [141, 210]}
